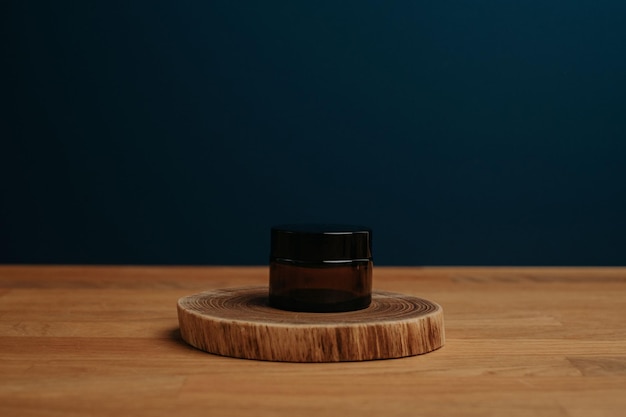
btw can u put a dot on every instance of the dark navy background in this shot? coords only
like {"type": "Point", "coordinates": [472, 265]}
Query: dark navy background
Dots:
{"type": "Point", "coordinates": [462, 132]}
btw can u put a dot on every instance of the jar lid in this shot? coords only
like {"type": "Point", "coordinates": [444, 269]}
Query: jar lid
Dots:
{"type": "Point", "coordinates": [321, 243]}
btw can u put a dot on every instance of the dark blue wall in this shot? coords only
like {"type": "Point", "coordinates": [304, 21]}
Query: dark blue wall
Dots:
{"type": "Point", "coordinates": [462, 132]}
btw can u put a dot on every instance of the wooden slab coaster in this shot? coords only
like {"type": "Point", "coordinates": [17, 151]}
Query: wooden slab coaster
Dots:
{"type": "Point", "coordinates": [238, 322]}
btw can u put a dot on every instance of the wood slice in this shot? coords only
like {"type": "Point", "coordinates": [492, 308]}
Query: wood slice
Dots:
{"type": "Point", "coordinates": [238, 322]}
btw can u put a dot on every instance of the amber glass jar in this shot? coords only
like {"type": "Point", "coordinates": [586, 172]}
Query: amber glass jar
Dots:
{"type": "Point", "coordinates": [320, 267]}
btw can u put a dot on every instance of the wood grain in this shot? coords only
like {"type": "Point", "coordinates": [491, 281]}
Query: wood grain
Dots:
{"type": "Point", "coordinates": [238, 322]}
{"type": "Point", "coordinates": [103, 341]}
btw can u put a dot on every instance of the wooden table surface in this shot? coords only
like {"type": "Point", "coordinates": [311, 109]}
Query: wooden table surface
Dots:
{"type": "Point", "coordinates": [520, 342]}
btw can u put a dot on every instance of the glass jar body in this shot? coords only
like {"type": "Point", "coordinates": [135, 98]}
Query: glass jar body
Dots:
{"type": "Point", "coordinates": [332, 286]}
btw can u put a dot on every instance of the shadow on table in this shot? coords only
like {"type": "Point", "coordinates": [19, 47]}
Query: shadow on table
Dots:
{"type": "Point", "coordinates": [173, 336]}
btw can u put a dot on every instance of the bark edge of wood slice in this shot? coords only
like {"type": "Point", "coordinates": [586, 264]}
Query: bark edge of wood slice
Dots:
{"type": "Point", "coordinates": [238, 322]}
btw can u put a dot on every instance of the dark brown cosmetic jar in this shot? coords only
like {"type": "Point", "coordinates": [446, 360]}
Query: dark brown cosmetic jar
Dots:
{"type": "Point", "coordinates": [320, 267]}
